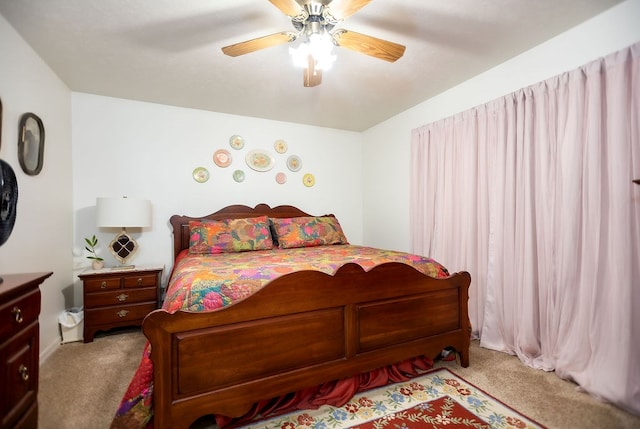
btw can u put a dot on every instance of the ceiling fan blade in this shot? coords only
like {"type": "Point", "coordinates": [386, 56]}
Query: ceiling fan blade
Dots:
{"type": "Point", "coordinates": [312, 76]}
{"type": "Point", "coordinates": [342, 9]}
{"type": "Point", "coordinates": [369, 45]}
{"type": "Point", "coordinates": [288, 7]}
{"type": "Point", "coordinates": [263, 42]}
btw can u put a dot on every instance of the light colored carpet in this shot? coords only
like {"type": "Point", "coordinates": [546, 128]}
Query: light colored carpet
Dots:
{"type": "Point", "coordinates": [81, 386]}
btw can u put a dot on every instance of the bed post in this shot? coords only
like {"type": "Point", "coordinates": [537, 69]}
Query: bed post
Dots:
{"type": "Point", "coordinates": [161, 357]}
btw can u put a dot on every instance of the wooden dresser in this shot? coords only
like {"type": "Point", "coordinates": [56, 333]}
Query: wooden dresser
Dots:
{"type": "Point", "coordinates": [20, 349]}
{"type": "Point", "coordinates": [115, 298]}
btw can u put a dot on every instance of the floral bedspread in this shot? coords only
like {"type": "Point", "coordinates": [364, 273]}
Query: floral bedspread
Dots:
{"type": "Point", "coordinates": [210, 282]}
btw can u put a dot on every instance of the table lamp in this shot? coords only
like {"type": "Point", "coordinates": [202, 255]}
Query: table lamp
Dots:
{"type": "Point", "coordinates": [123, 213]}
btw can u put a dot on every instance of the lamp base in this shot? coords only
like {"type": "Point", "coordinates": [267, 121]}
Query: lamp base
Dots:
{"type": "Point", "coordinates": [123, 247]}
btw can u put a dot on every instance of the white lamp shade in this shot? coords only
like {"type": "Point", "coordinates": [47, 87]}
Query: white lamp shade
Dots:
{"type": "Point", "coordinates": [123, 212]}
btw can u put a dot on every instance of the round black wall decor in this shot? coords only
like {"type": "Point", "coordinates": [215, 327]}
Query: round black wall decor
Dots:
{"type": "Point", "coordinates": [8, 200]}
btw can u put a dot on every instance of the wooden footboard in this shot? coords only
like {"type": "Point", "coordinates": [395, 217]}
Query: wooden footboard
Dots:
{"type": "Point", "coordinates": [299, 331]}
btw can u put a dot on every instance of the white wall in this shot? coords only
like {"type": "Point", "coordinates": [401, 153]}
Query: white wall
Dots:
{"type": "Point", "coordinates": [137, 149]}
{"type": "Point", "coordinates": [41, 238]}
{"type": "Point", "coordinates": [387, 153]}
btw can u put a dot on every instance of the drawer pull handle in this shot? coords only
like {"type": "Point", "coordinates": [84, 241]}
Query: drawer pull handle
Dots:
{"type": "Point", "coordinates": [139, 281]}
{"type": "Point", "coordinates": [17, 314]}
{"type": "Point", "coordinates": [122, 313]}
{"type": "Point", "coordinates": [103, 284]}
{"type": "Point", "coordinates": [24, 373]}
{"type": "Point", "coordinates": [122, 297]}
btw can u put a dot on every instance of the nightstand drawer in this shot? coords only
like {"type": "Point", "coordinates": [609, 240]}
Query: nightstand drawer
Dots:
{"type": "Point", "coordinates": [101, 283]}
{"type": "Point", "coordinates": [121, 313]}
{"type": "Point", "coordinates": [120, 297]}
{"type": "Point", "coordinates": [141, 280]}
{"type": "Point", "coordinates": [15, 315]}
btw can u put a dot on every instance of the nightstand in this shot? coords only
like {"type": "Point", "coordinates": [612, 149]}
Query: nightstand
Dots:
{"type": "Point", "coordinates": [118, 297]}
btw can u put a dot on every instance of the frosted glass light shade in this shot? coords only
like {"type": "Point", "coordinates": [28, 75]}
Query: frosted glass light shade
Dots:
{"type": "Point", "coordinates": [319, 46]}
{"type": "Point", "coordinates": [123, 212]}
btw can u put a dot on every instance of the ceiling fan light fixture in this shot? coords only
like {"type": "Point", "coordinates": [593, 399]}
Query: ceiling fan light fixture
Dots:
{"type": "Point", "coordinates": [316, 21]}
{"type": "Point", "coordinates": [318, 46]}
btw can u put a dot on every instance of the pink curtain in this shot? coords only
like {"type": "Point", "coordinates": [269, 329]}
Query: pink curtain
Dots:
{"type": "Point", "coordinates": [533, 195]}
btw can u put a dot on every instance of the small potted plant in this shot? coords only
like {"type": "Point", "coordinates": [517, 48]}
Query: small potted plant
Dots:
{"type": "Point", "coordinates": [92, 243]}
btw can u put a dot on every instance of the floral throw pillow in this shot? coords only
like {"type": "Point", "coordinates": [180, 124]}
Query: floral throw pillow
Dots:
{"type": "Point", "coordinates": [308, 231]}
{"type": "Point", "coordinates": [209, 236]}
{"type": "Point", "coordinates": [250, 234]}
{"type": "Point", "coordinates": [230, 235]}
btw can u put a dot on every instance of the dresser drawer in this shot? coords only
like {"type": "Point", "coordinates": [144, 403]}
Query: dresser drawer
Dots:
{"type": "Point", "coordinates": [121, 313]}
{"type": "Point", "coordinates": [29, 419]}
{"type": "Point", "coordinates": [141, 281]}
{"type": "Point", "coordinates": [101, 283]}
{"type": "Point", "coordinates": [19, 387]}
{"type": "Point", "coordinates": [120, 297]}
{"type": "Point", "coordinates": [15, 315]}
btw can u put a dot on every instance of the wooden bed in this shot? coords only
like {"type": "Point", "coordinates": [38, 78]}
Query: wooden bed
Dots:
{"type": "Point", "coordinates": [327, 328]}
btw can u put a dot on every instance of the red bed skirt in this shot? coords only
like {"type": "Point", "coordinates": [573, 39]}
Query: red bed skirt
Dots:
{"type": "Point", "coordinates": [335, 393]}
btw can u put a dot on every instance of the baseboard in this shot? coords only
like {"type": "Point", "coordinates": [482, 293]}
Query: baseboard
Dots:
{"type": "Point", "coordinates": [46, 352]}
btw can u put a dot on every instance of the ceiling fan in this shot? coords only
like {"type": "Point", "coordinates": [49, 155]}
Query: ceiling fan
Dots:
{"type": "Point", "coordinates": [314, 20]}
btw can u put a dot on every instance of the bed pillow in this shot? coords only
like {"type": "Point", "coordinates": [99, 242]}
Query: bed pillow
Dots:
{"type": "Point", "coordinates": [209, 236]}
{"type": "Point", "coordinates": [250, 234]}
{"type": "Point", "coordinates": [308, 231]}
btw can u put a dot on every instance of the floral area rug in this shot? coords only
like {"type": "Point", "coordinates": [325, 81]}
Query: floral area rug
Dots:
{"type": "Point", "coordinates": [439, 399]}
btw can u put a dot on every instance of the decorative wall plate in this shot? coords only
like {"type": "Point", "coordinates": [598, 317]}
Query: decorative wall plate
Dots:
{"type": "Point", "coordinates": [238, 176]}
{"type": "Point", "coordinates": [281, 178]}
{"type": "Point", "coordinates": [280, 146]}
{"type": "Point", "coordinates": [222, 158]}
{"type": "Point", "coordinates": [308, 180]}
{"type": "Point", "coordinates": [260, 160]}
{"type": "Point", "coordinates": [236, 142]}
{"type": "Point", "coordinates": [294, 163]}
{"type": "Point", "coordinates": [200, 174]}
{"type": "Point", "coordinates": [8, 200]}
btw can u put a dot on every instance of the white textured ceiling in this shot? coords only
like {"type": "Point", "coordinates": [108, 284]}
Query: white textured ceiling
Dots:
{"type": "Point", "coordinates": [168, 52]}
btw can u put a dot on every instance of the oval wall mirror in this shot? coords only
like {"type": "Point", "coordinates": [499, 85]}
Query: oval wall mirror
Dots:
{"type": "Point", "coordinates": [31, 144]}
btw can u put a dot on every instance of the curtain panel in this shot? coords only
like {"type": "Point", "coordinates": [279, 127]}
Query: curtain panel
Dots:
{"type": "Point", "coordinates": [532, 194]}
